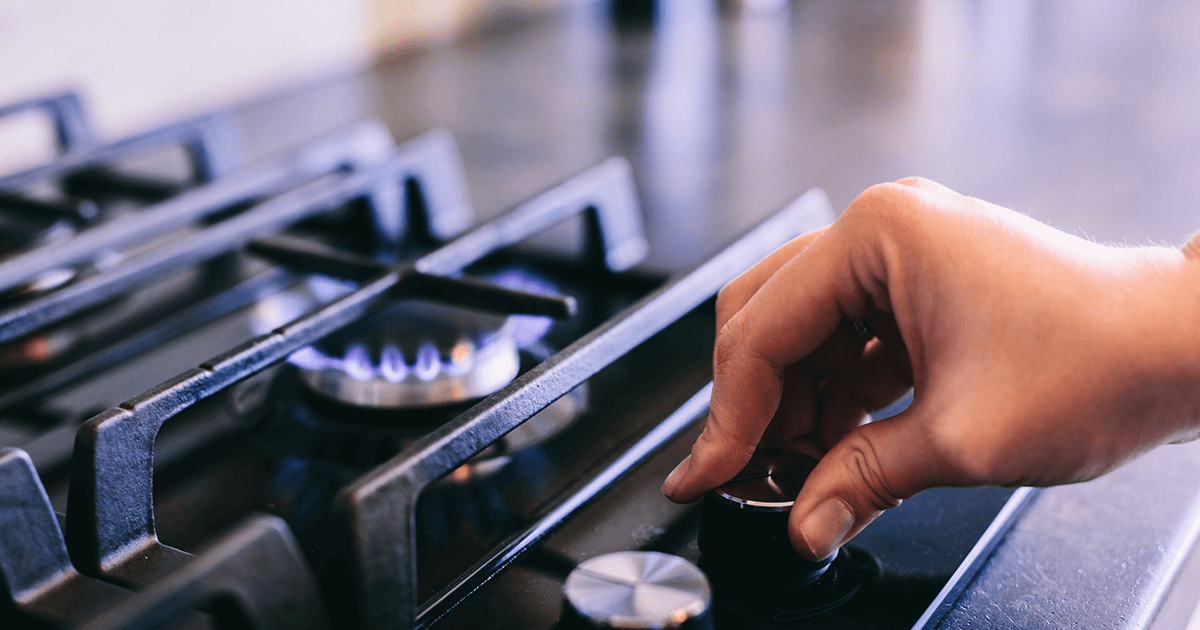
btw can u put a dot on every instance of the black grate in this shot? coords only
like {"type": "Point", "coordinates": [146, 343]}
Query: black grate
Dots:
{"type": "Point", "coordinates": [255, 574]}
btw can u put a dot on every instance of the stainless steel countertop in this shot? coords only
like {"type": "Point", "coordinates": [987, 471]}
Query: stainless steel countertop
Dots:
{"type": "Point", "coordinates": [1083, 115]}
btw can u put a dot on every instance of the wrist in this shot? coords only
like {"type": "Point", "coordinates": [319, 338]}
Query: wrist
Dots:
{"type": "Point", "coordinates": [1156, 342]}
{"type": "Point", "coordinates": [1184, 322]}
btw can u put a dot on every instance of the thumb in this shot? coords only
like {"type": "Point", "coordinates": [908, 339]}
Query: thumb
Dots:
{"type": "Point", "coordinates": [870, 470]}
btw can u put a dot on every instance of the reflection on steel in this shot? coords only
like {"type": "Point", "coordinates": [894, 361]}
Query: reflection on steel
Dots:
{"type": "Point", "coordinates": [315, 197]}
{"type": "Point", "coordinates": [72, 130]}
{"type": "Point", "coordinates": [258, 567]}
{"type": "Point", "coordinates": [110, 522]}
{"type": "Point", "coordinates": [380, 507]}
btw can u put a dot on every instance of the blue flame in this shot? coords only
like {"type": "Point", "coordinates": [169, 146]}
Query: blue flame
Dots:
{"type": "Point", "coordinates": [393, 365]}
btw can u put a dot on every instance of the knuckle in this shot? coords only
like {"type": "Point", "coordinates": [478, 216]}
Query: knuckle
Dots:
{"type": "Point", "coordinates": [862, 461]}
{"type": "Point", "coordinates": [729, 299]}
{"type": "Point", "coordinates": [889, 209]}
{"type": "Point", "coordinates": [730, 344]}
{"type": "Point", "coordinates": [916, 182]}
{"type": "Point", "coordinates": [877, 202]}
{"type": "Point", "coordinates": [716, 444]}
{"type": "Point", "coordinates": [722, 354]}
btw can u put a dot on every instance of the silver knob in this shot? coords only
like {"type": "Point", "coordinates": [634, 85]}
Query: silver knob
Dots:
{"type": "Point", "coordinates": [638, 589]}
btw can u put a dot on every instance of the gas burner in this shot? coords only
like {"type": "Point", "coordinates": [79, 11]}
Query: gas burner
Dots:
{"type": "Point", "coordinates": [316, 427]}
{"type": "Point", "coordinates": [413, 354]}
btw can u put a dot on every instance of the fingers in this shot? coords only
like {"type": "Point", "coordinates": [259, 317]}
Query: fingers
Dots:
{"type": "Point", "coordinates": [872, 469]}
{"type": "Point", "coordinates": [795, 421]}
{"type": "Point", "coordinates": [792, 314]}
{"type": "Point", "coordinates": [834, 387]}
{"type": "Point", "coordinates": [734, 295]}
{"type": "Point", "coordinates": [880, 378]}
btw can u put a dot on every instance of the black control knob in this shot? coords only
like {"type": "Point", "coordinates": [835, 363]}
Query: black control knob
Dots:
{"type": "Point", "coordinates": [637, 589]}
{"type": "Point", "coordinates": [743, 526]}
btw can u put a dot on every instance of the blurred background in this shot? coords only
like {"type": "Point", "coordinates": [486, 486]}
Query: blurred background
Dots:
{"type": "Point", "coordinates": [1083, 114]}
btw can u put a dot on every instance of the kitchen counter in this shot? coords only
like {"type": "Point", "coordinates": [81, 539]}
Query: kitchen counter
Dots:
{"type": "Point", "coordinates": [1085, 116]}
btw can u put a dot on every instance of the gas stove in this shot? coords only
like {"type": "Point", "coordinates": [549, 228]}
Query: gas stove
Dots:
{"type": "Point", "coordinates": [398, 417]}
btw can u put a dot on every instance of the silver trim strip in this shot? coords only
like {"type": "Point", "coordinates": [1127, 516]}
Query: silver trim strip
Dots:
{"type": "Point", "coordinates": [974, 561]}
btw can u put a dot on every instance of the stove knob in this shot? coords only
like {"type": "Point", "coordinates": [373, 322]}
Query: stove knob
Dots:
{"type": "Point", "coordinates": [637, 589]}
{"type": "Point", "coordinates": [743, 525]}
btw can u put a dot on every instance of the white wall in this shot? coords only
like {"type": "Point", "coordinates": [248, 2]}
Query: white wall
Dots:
{"type": "Point", "coordinates": [138, 62]}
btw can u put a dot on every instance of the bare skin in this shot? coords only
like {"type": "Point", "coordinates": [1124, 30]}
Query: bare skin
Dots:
{"type": "Point", "coordinates": [1035, 357]}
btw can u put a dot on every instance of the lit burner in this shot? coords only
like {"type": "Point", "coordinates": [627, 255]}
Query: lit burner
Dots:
{"type": "Point", "coordinates": [414, 354]}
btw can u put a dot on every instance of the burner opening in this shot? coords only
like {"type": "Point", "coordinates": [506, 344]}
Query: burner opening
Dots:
{"type": "Point", "coordinates": [420, 354]}
{"type": "Point", "coordinates": [412, 354]}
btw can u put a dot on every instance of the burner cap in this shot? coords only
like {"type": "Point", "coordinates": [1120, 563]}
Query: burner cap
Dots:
{"type": "Point", "coordinates": [639, 589]}
{"type": "Point", "coordinates": [413, 354]}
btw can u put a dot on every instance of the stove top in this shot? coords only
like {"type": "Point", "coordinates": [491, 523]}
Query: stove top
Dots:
{"type": "Point", "coordinates": [398, 417]}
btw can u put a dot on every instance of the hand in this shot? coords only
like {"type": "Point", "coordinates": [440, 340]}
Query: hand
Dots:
{"type": "Point", "coordinates": [1035, 357]}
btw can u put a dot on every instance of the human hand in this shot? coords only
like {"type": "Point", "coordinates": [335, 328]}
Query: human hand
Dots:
{"type": "Point", "coordinates": [1035, 357]}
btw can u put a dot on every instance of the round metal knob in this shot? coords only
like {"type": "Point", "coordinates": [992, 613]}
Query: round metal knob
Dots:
{"type": "Point", "coordinates": [744, 522]}
{"type": "Point", "coordinates": [637, 589]}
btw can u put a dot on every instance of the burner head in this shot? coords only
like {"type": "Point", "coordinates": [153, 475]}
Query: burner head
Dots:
{"type": "Point", "coordinates": [413, 354]}
{"type": "Point", "coordinates": [637, 589]}
{"type": "Point", "coordinates": [744, 522]}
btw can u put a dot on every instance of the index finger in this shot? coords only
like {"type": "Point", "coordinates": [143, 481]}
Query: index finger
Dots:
{"type": "Point", "coordinates": [792, 313]}
{"type": "Point", "coordinates": [734, 295]}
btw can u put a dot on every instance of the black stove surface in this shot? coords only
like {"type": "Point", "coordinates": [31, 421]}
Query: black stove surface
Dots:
{"type": "Point", "coordinates": [298, 479]}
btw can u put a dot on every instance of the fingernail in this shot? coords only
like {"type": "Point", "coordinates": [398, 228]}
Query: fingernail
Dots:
{"type": "Point", "coordinates": [825, 527]}
{"type": "Point", "coordinates": [676, 477]}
